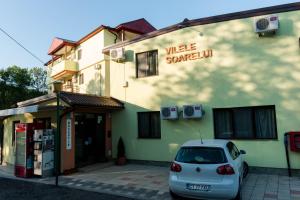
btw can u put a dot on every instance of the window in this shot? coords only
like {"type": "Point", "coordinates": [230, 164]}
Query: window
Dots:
{"type": "Point", "coordinates": [13, 132]}
{"type": "Point", "coordinates": [146, 64]}
{"type": "Point", "coordinates": [79, 54]}
{"type": "Point", "coordinates": [233, 150]}
{"type": "Point", "coordinates": [201, 155]}
{"type": "Point", "coordinates": [81, 79]}
{"type": "Point", "coordinates": [245, 123]}
{"type": "Point", "coordinates": [149, 124]}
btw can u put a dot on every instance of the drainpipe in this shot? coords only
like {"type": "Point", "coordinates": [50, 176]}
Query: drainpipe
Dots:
{"type": "Point", "coordinates": [286, 144]}
{"type": "Point", "coordinates": [111, 31]}
{"type": "Point", "coordinates": [123, 35]}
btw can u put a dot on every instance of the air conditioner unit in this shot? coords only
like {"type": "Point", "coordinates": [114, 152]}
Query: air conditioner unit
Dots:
{"type": "Point", "coordinates": [117, 54]}
{"type": "Point", "coordinates": [264, 24]}
{"type": "Point", "coordinates": [170, 112]}
{"type": "Point", "coordinates": [192, 111]}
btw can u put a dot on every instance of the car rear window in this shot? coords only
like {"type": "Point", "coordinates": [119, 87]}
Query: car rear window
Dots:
{"type": "Point", "coordinates": [201, 155]}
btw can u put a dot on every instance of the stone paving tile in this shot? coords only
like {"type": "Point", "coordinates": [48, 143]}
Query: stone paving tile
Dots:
{"type": "Point", "coordinates": [141, 186]}
{"type": "Point", "coordinates": [149, 182]}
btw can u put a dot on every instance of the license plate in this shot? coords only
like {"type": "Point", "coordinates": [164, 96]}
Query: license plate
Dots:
{"type": "Point", "coordinates": [198, 187]}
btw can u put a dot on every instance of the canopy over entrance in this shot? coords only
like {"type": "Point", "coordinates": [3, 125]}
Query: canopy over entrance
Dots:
{"type": "Point", "coordinates": [68, 100]}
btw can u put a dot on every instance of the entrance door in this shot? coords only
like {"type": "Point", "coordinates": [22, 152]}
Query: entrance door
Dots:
{"type": "Point", "coordinates": [89, 139]}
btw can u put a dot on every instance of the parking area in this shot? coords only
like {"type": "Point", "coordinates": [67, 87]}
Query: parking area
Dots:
{"type": "Point", "coordinates": [151, 182]}
{"type": "Point", "coordinates": [135, 181]}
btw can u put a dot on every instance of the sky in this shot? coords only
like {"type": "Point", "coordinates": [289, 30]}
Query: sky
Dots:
{"type": "Point", "coordinates": [34, 23]}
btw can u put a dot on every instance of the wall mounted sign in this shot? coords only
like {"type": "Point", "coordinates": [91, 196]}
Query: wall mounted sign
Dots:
{"type": "Point", "coordinates": [69, 132]}
{"type": "Point", "coordinates": [186, 52]}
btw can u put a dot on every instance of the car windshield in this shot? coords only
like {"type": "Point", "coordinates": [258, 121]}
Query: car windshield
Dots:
{"type": "Point", "coordinates": [201, 155]}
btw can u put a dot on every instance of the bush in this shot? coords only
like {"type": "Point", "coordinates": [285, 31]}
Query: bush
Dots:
{"type": "Point", "coordinates": [121, 148]}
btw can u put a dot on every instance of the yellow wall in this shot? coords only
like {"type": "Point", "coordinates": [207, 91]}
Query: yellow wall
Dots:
{"type": "Point", "coordinates": [89, 48]}
{"type": "Point", "coordinates": [96, 81]}
{"type": "Point", "coordinates": [93, 80]}
{"type": "Point", "coordinates": [245, 70]}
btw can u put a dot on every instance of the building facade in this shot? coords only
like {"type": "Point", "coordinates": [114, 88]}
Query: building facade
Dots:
{"type": "Point", "coordinates": [247, 84]}
{"type": "Point", "coordinates": [78, 78]}
{"type": "Point", "coordinates": [244, 81]}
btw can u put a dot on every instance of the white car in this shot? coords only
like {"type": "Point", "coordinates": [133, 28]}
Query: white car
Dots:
{"type": "Point", "coordinates": [208, 169]}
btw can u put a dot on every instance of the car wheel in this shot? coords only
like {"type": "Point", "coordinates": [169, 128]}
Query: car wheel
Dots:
{"type": "Point", "coordinates": [246, 169]}
{"type": "Point", "coordinates": [174, 196]}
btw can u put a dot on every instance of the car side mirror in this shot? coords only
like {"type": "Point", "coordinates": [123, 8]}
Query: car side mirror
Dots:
{"type": "Point", "coordinates": [242, 151]}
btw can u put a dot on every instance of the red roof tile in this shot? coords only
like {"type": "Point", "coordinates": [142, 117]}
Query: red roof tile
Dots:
{"type": "Point", "coordinates": [90, 100]}
{"type": "Point", "coordinates": [77, 99]}
{"type": "Point", "coordinates": [139, 25]}
{"type": "Point", "coordinates": [57, 43]}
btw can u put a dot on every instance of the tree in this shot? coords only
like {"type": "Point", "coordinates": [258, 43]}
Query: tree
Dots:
{"type": "Point", "coordinates": [15, 76]}
{"type": "Point", "coordinates": [38, 79]}
{"type": "Point", "coordinates": [16, 85]}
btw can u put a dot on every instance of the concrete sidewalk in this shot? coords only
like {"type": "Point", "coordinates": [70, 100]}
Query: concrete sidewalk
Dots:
{"type": "Point", "coordinates": [151, 182]}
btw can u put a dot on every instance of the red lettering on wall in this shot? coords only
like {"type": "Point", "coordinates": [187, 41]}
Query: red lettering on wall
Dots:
{"type": "Point", "coordinates": [169, 60]}
{"type": "Point", "coordinates": [190, 51]}
{"type": "Point", "coordinates": [193, 47]}
{"type": "Point", "coordinates": [189, 56]}
{"type": "Point", "coordinates": [169, 50]}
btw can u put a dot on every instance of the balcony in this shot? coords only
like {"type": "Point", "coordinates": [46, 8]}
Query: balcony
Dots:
{"type": "Point", "coordinates": [71, 88]}
{"type": "Point", "coordinates": [64, 69]}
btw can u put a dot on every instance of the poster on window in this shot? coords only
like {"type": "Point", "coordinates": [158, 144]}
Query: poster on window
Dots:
{"type": "Point", "coordinates": [69, 133]}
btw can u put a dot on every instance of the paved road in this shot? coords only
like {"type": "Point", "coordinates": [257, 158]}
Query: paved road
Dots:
{"type": "Point", "coordinates": [21, 190]}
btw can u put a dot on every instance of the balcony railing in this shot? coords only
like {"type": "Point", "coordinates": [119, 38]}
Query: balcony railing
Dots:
{"type": "Point", "coordinates": [71, 88]}
{"type": "Point", "coordinates": [64, 69]}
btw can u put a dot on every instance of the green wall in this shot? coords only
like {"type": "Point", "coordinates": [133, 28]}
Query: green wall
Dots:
{"type": "Point", "coordinates": [245, 70]}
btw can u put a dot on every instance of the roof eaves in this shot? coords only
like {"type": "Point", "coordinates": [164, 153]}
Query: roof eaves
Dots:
{"type": "Point", "coordinates": [118, 101]}
{"type": "Point", "coordinates": [139, 38]}
{"type": "Point", "coordinates": [65, 98]}
{"type": "Point", "coordinates": [128, 29]}
{"type": "Point", "coordinates": [60, 46]}
{"type": "Point", "coordinates": [129, 22]}
{"type": "Point", "coordinates": [141, 19]}
{"type": "Point", "coordinates": [37, 100]}
{"type": "Point", "coordinates": [91, 34]}
{"type": "Point", "coordinates": [66, 40]}
{"type": "Point", "coordinates": [73, 43]}
{"type": "Point", "coordinates": [51, 60]}
{"type": "Point", "coordinates": [210, 20]}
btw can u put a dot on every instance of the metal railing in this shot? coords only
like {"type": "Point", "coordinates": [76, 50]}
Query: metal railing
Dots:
{"type": "Point", "coordinates": [71, 88]}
